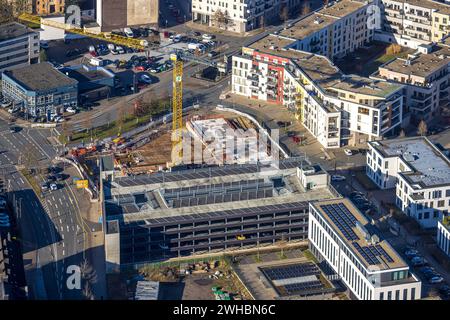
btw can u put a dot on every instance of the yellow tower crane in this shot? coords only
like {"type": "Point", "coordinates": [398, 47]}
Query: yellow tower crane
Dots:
{"type": "Point", "coordinates": [105, 36]}
{"type": "Point", "coordinates": [177, 109]}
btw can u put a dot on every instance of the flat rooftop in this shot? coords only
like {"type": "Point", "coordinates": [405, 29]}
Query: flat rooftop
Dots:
{"type": "Point", "coordinates": [429, 4]}
{"type": "Point", "coordinates": [84, 73]}
{"type": "Point", "coordinates": [208, 191]}
{"type": "Point", "coordinates": [13, 30]}
{"type": "Point", "coordinates": [423, 65]}
{"type": "Point", "coordinates": [321, 19]}
{"type": "Point", "coordinates": [430, 167]}
{"type": "Point", "coordinates": [323, 71]}
{"type": "Point", "coordinates": [344, 218]}
{"type": "Point", "coordinates": [308, 26]}
{"type": "Point", "coordinates": [40, 77]}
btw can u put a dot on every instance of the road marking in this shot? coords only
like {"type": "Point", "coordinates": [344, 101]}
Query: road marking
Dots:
{"type": "Point", "coordinates": [64, 252]}
{"type": "Point", "coordinates": [63, 244]}
{"type": "Point", "coordinates": [68, 228]}
{"type": "Point", "coordinates": [71, 201]}
{"type": "Point", "coordinates": [60, 201]}
{"type": "Point", "coordinates": [62, 229]}
{"type": "Point", "coordinates": [60, 220]}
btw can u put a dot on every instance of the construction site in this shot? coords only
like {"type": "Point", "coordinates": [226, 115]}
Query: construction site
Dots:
{"type": "Point", "coordinates": [205, 140]}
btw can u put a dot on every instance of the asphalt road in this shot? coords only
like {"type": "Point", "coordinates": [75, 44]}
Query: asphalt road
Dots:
{"type": "Point", "coordinates": [51, 229]}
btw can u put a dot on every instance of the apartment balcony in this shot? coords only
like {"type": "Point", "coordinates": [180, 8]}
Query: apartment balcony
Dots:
{"type": "Point", "coordinates": [333, 129]}
{"type": "Point", "coordinates": [421, 98]}
{"type": "Point", "coordinates": [253, 77]}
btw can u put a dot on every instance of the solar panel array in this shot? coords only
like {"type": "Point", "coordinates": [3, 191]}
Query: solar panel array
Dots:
{"type": "Point", "coordinates": [202, 173]}
{"type": "Point", "coordinates": [218, 193]}
{"type": "Point", "coordinates": [342, 218]}
{"type": "Point", "coordinates": [291, 271]}
{"type": "Point", "coordinates": [372, 253]}
{"type": "Point", "coordinates": [303, 287]}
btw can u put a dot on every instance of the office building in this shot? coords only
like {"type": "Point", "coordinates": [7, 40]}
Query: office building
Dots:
{"type": "Point", "coordinates": [239, 16]}
{"type": "Point", "coordinates": [342, 237]}
{"type": "Point", "coordinates": [232, 207]}
{"type": "Point", "coordinates": [418, 170]}
{"type": "Point", "coordinates": [39, 90]}
{"type": "Point", "coordinates": [19, 46]}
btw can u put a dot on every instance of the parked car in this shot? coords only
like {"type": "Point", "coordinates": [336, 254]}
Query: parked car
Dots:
{"type": "Point", "coordinates": [411, 252]}
{"type": "Point", "coordinates": [71, 110]}
{"type": "Point", "coordinates": [348, 152]}
{"type": "Point", "coordinates": [426, 269]}
{"type": "Point", "coordinates": [206, 36]}
{"type": "Point", "coordinates": [146, 79]}
{"type": "Point", "coordinates": [337, 178]}
{"type": "Point", "coordinates": [120, 50]}
{"type": "Point", "coordinates": [437, 279]}
{"type": "Point", "coordinates": [53, 186]}
{"type": "Point", "coordinates": [6, 103]}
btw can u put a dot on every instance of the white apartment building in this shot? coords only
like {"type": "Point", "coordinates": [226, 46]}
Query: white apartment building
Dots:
{"type": "Point", "coordinates": [337, 109]}
{"type": "Point", "coordinates": [19, 46]}
{"type": "Point", "coordinates": [426, 76]}
{"type": "Point", "coordinates": [418, 170]}
{"type": "Point", "coordinates": [333, 31]}
{"type": "Point", "coordinates": [443, 235]}
{"type": "Point", "coordinates": [239, 15]}
{"type": "Point", "coordinates": [341, 235]}
{"type": "Point", "coordinates": [411, 23]}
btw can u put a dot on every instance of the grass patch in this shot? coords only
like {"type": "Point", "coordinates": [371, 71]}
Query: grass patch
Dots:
{"type": "Point", "coordinates": [325, 281]}
{"type": "Point", "coordinates": [115, 128]}
{"type": "Point", "coordinates": [308, 255]}
{"type": "Point", "coordinates": [32, 182]}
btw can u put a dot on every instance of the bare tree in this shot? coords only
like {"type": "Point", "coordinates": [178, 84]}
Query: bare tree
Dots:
{"type": "Point", "coordinates": [284, 13]}
{"type": "Point", "coordinates": [305, 9]}
{"type": "Point", "coordinates": [222, 19]}
{"type": "Point", "coordinates": [6, 11]}
{"type": "Point", "coordinates": [422, 128]}
{"type": "Point", "coordinates": [87, 291]}
{"type": "Point", "coordinates": [120, 120]}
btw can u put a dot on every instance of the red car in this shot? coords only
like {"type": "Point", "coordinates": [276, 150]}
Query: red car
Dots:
{"type": "Point", "coordinates": [139, 68]}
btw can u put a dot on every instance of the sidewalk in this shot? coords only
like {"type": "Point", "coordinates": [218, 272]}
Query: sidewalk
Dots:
{"type": "Point", "coordinates": [207, 29]}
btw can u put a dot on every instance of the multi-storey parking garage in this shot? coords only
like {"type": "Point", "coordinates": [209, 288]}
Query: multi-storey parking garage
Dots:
{"type": "Point", "coordinates": [188, 212]}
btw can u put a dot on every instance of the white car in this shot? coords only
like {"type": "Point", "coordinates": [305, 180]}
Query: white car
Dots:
{"type": "Point", "coordinates": [120, 50]}
{"type": "Point", "coordinates": [337, 178]}
{"type": "Point", "coordinates": [53, 186]}
{"type": "Point", "coordinates": [206, 36]}
{"type": "Point", "coordinates": [128, 32]}
{"type": "Point", "coordinates": [6, 103]}
{"type": "Point", "coordinates": [71, 110]}
{"type": "Point", "coordinates": [146, 79]}
{"type": "Point", "coordinates": [12, 110]}
{"type": "Point", "coordinates": [348, 152]}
